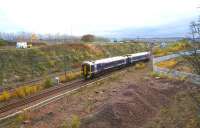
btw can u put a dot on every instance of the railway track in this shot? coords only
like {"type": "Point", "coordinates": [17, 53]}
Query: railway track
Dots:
{"type": "Point", "coordinates": [50, 92]}
{"type": "Point", "coordinates": [32, 82]}
{"type": "Point", "coordinates": [42, 94]}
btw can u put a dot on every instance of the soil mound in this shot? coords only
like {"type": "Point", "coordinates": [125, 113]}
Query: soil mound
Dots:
{"type": "Point", "coordinates": [130, 109]}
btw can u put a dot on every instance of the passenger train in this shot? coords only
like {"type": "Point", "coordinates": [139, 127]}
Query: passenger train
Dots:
{"type": "Point", "coordinates": [91, 69]}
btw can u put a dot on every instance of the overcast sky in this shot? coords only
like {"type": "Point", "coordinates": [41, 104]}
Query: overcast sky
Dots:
{"type": "Point", "coordinates": [92, 16]}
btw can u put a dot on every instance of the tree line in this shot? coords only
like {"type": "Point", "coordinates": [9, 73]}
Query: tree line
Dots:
{"type": "Point", "coordinates": [33, 37]}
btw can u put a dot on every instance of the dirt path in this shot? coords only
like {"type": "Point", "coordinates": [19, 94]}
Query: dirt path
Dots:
{"type": "Point", "coordinates": [126, 100]}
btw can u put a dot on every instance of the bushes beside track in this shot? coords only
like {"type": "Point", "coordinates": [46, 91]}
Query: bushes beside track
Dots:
{"type": "Point", "coordinates": [18, 65]}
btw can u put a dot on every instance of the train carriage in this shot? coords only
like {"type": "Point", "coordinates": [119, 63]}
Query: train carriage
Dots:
{"type": "Point", "coordinates": [97, 67]}
{"type": "Point", "coordinates": [138, 57]}
{"type": "Point", "coordinates": [92, 68]}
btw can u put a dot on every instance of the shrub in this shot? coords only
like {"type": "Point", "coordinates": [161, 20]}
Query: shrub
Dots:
{"type": "Point", "coordinates": [155, 74]}
{"type": "Point", "coordinates": [88, 38]}
{"type": "Point", "coordinates": [19, 92]}
{"type": "Point", "coordinates": [5, 96]}
{"type": "Point", "coordinates": [140, 66]}
{"type": "Point", "coordinates": [173, 47]}
{"type": "Point", "coordinates": [170, 64]}
{"type": "Point", "coordinates": [75, 122]}
{"type": "Point", "coordinates": [160, 52]}
{"type": "Point", "coordinates": [26, 90]}
{"type": "Point", "coordinates": [2, 42]}
{"type": "Point", "coordinates": [48, 83]}
{"type": "Point", "coordinates": [25, 115]}
{"type": "Point", "coordinates": [70, 76]}
{"type": "Point", "coordinates": [64, 125]}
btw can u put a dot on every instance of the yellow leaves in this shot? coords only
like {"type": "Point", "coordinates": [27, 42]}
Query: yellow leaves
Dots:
{"type": "Point", "coordinates": [5, 96]}
{"type": "Point", "coordinates": [26, 90]}
{"type": "Point", "coordinates": [75, 122]}
{"type": "Point", "coordinates": [70, 76]}
{"type": "Point", "coordinates": [140, 66]}
{"type": "Point", "coordinates": [160, 52]}
{"type": "Point", "coordinates": [175, 47]}
{"type": "Point", "coordinates": [167, 64]}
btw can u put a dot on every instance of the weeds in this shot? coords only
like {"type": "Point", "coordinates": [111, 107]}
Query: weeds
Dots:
{"type": "Point", "coordinates": [74, 123]}
{"type": "Point", "coordinates": [171, 48]}
{"type": "Point", "coordinates": [32, 63]}
{"type": "Point", "coordinates": [24, 116]}
{"type": "Point", "coordinates": [5, 96]}
{"type": "Point", "coordinates": [21, 92]}
{"type": "Point", "coordinates": [140, 66]}
{"type": "Point", "coordinates": [48, 82]}
{"type": "Point", "coordinates": [182, 112]}
{"type": "Point", "coordinates": [170, 64]}
{"type": "Point", "coordinates": [70, 76]}
{"type": "Point", "coordinates": [168, 76]}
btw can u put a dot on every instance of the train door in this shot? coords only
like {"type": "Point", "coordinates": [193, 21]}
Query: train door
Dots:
{"type": "Point", "coordinates": [128, 60]}
{"type": "Point", "coordinates": [86, 70]}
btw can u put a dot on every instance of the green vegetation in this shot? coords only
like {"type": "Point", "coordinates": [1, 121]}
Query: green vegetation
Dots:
{"type": "Point", "coordinates": [4, 96]}
{"type": "Point", "coordinates": [140, 66]}
{"type": "Point", "coordinates": [2, 42]}
{"type": "Point", "coordinates": [88, 38]}
{"type": "Point", "coordinates": [74, 123]}
{"type": "Point", "coordinates": [172, 47]}
{"type": "Point", "coordinates": [167, 76]}
{"type": "Point", "coordinates": [19, 65]}
{"type": "Point", "coordinates": [170, 64]}
{"type": "Point", "coordinates": [19, 92]}
{"type": "Point", "coordinates": [48, 83]}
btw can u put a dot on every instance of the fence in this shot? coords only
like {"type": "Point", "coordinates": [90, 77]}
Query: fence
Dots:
{"type": "Point", "coordinates": [177, 74]}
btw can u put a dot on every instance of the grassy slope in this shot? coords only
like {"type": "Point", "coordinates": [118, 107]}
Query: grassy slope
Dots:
{"type": "Point", "coordinates": [25, 64]}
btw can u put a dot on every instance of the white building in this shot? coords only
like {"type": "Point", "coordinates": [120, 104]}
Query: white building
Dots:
{"type": "Point", "coordinates": [21, 45]}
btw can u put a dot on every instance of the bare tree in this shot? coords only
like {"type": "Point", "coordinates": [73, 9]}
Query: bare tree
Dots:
{"type": "Point", "coordinates": [193, 58]}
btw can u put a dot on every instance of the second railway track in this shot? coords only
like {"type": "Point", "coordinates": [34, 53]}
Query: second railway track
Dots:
{"type": "Point", "coordinates": [40, 95]}
{"type": "Point", "coordinates": [49, 92]}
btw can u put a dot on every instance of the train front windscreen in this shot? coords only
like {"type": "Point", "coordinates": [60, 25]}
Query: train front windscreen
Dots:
{"type": "Point", "coordinates": [85, 70]}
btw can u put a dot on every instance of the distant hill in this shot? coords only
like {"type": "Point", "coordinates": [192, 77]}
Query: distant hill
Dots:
{"type": "Point", "coordinates": [171, 30]}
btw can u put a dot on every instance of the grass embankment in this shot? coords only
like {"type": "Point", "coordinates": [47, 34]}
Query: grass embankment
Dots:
{"type": "Point", "coordinates": [179, 64]}
{"type": "Point", "coordinates": [172, 48]}
{"type": "Point", "coordinates": [3, 42]}
{"type": "Point", "coordinates": [170, 64]}
{"type": "Point", "coordinates": [18, 65]}
{"type": "Point", "coordinates": [26, 90]}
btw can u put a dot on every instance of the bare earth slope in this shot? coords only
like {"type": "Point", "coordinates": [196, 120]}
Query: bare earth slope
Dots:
{"type": "Point", "coordinates": [130, 99]}
{"type": "Point", "coordinates": [133, 106]}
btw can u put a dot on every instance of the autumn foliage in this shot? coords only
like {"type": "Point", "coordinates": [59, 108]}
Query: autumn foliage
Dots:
{"type": "Point", "coordinates": [70, 76]}
{"type": "Point", "coordinates": [171, 48]}
{"type": "Point", "coordinates": [170, 64]}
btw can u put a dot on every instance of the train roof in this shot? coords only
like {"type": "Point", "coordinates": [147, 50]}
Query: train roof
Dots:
{"type": "Point", "coordinates": [106, 60]}
{"type": "Point", "coordinates": [139, 54]}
